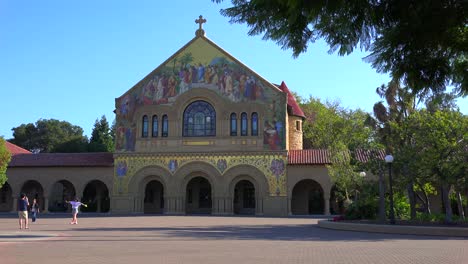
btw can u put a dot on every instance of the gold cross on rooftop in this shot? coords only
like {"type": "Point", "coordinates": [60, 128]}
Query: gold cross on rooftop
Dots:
{"type": "Point", "coordinates": [200, 21]}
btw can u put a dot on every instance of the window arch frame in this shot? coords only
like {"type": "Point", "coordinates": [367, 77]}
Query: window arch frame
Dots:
{"type": "Point", "coordinates": [254, 124]}
{"type": "Point", "coordinates": [233, 124]}
{"type": "Point", "coordinates": [244, 127]}
{"type": "Point", "coordinates": [144, 126]}
{"type": "Point", "coordinates": [165, 126]}
{"type": "Point", "coordinates": [154, 124]}
{"type": "Point", "coordinates": [199, 120]}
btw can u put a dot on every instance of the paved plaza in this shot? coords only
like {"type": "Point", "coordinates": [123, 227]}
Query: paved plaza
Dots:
{"type": "Point", "coordinates": [210, 240]}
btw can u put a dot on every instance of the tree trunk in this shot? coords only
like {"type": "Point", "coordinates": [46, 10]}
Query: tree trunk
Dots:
{"type": "Point", "coordinates": [460, 205]}
{"type": "Point", "coordinates": [412, 200]}
{"type": "Point", "coordinates": [426, 200]}
{"type": "Point", "coordinates": [466, 194]}
{"type": "Point", "coordinates": [446, 202]}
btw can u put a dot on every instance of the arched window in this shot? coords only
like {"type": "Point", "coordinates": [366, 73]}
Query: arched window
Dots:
{"type": "Point", "coordinates": [154, 132]}
{"type": "Point", "coordinates": [243, 124]}
{"type": "Point", "coordinates": [165, 126]}
{"type": "Point", "coordinates": [233, 124]}
{"type": "Point", "coordinates": [254, 124]}
{"type": "Point", "coordinates": [199, 120]}
{"type": "Point", "coordinates": [144, 127]}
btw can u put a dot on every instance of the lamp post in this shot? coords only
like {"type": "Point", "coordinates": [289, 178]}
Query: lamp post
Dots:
{"type": "Point", "coordinates": [389, 160]}
{"type": "Point", "coordinates": [362, 174]}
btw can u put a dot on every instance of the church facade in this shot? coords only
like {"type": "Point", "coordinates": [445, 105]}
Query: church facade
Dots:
{"type": "Point", "coordinates": [201, 134]}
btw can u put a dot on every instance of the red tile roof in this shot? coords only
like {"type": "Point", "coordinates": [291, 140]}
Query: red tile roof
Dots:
{"type": "Point", "coordinates": [322, 156]}
{"type": "Point", "coordinates": [89, 159]}
{"type": "Point", "coordinates": [308, 157]}
{"type": "Point", "coordinates": [293, 107]}
{"type": "Point", "coordinates": [365, 155]}
{"type": "Point", "coordinates": [14, 149]}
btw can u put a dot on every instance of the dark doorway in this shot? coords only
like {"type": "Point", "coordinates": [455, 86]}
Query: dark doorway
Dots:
{"type": "Point", "coordinates": [154, 198]}
{"type": "Point", "coordinates": [244, 198]}
{"type": "Point", "coordinates": [61, 191]}
{"type": "Point", "coordinates": [6, 198]}
{"type": "Point", "coordinates": [198, 196]}
{"type": "Point", "coordinates": [96, 196]}
{"type": "Point", "coordinates": [33, 190]}
{"type": "Point", "coordinates": [307, 198]}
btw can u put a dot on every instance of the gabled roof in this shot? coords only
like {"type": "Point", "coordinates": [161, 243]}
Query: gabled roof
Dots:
{"type": "Point", "coordinates": [15, 150]}
{"type": "Point", "coordinates": [89, 159]}
{"type": "Point", "coordinates": [293, 107]}
{"type": "Point", "coordinates": [181, 50]}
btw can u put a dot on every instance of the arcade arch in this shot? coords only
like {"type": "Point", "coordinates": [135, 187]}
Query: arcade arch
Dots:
{"type": "Point", "coordinates": [33, 190]}
{"type": "Point", "coordinates": [307, 198]}
{"type": "Point", "coordinates": [96, 196]}
{"type": "Point", "coordinates": [60, 192]}
{"type": "Point", "coordinates": [198, 198]}
{"type": "Point", "coordinates": [6, 198]}
{"type": "Point", "coordinates": [153, 202]}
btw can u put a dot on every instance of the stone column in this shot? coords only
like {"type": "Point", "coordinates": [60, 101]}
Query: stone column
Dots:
{"type": "Point", "coordinates": [259, 207]}
{"type": "Point", "coordinates": [289, 207]}
{"type": "Point", "coordinates": [326, 197]}
{"type": "Point", "coordinates": [15, 205]}
{"type": "Point", "coordinates": [46, 205]}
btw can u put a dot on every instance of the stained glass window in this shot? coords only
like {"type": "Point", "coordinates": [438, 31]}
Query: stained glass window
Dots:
{"type": "Point", "coordinates": [144, 130]}
{"type": "Point", "coordinates": [233, 124]}
{"type": "Point", "coordinates": [243, 124]}
{"type": "Point", "coordinates": [199, 120]}
{"type": "Point", "coordinates": [165, 126]}
{"type": "Point", "coordinates": [254, 125]}
{"type": "Point", "coordinates": [154, 132]}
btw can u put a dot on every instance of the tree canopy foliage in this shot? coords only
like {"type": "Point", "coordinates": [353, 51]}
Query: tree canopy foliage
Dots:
{"type": "Point", "coordinates": [5, 157]}
{"type": "Point", "coordinates": [342, 132]}
{"type": "Point", "coordinates": [102, 137]}
{"type": "Point", "coordinates": [422, 43]}
{"type": "Point", "coordinates": [50, 135]}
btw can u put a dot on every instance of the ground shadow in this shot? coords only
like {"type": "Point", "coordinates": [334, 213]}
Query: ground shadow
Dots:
{"type": "Point", "coordinates": [265, 232]}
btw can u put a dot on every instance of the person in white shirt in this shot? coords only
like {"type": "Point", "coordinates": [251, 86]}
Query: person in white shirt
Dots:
{"type": "Point", "coordinates": [75, 205]}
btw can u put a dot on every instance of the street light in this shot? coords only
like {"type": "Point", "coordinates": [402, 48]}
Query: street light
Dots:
{"type": "Point", "coordinates": [389, 160]}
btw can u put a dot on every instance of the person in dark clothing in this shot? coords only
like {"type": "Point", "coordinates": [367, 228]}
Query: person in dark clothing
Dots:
{"type": "Point", "coordinates": [23, 204]}
{"type": "Point", "coordinates": [34, 210]}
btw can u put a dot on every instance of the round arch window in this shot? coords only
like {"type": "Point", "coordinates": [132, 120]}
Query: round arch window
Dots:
{"type": "Point", "coordinates": [199, 120]}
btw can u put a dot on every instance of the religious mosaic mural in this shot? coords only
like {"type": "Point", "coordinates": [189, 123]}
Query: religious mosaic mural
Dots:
{"type": "Point", "coordinates": [273, 167]}
{"type": "Point", "coordinates": [201, 65]}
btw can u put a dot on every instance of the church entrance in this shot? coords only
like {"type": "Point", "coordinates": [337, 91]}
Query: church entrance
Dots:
{"type": "Point", "coordinates": [307, 198]}
{"type": "Point", "coordinates": [6, 199]}
{"type": "Point", "coordinates": [96, 196]}
{"type": "Point", "coordinates": [33, 190]}
{"type": "Point", "coordinates": [61, 191]}
{"type": "Point", "coordinates": [198, 196]}
{"type": "Point", "coordinates": [154, 198]}
{"type": "Point", "coordinates": [244, 198]}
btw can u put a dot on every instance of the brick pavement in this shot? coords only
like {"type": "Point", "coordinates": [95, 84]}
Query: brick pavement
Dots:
{"type": "Point", "coordinates": [197, 239]}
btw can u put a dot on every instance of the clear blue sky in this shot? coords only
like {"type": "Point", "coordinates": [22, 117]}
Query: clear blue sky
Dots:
{"type": "Point", "coordinates": [69, 60]}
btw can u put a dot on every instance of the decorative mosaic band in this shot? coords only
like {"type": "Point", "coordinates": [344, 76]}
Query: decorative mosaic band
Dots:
{"type": "Point", "coordinates": [273, 167]}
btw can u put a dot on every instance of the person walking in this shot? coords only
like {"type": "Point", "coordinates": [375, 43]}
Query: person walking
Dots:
{"type": "Point", "coordinates": [23, 204]}
{"type": "Point", "coordinates": [75, 206]}
{"type": "Point", "coordinates": [34, 210]}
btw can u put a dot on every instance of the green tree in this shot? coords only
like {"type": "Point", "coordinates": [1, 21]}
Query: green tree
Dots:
{"type": "Point", "coordinates": [329, 123]}
{"type": "Point", "coordinates": [422, 43]}
{"type": "Point", "coordinates": [5, 157]}
{"type": "Point", "coordinates": [442, 140]}
{"type": "Point", "coordinates": [343, 133]}
{"type": "Point", "coordinates": [101, 137]}
{"type": "Point", "coordinates": [47, 135]}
